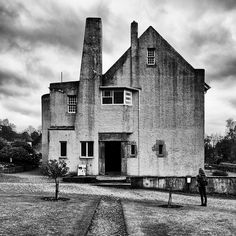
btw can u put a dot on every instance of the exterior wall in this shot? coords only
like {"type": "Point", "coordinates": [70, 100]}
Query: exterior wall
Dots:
{"type": "Point", "coordinates": [171, 107]}
{"type": "Point", "coordinates": [46, 122]}
{"type": "Point", "coordinates": [221, 185]}
{"type": "Point", "coordinates": [172, 110]}
{"type": "Point", "coordinates": [69, 136]}
{"type": "Point", "coordinates": [58, 107]}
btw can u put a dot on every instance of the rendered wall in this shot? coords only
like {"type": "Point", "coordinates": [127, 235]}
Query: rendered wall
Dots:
{"type": "Point", "coordinates": [59, 109]}
{"type": "Point", "coordinates": [171, 107]}
{"type": "Point", "coordinates": [46, 122]}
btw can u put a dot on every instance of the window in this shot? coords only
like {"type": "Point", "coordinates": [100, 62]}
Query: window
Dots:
{"type": "Point", "coordinates": [151, 56]}
{"type": "Point", "coordinates": [133, 150]}
{"type": "Point", "coordinates": [63, 148]}
{"type": "Point", "coordinates": [128, 98]}
{"type": "Point", "coordinates": [72, 103]}
{"type": "Point", "coordinates": [117, 97]}
{"type": "Point", "coordinates": [87, 149]}
{"type": "Point", "coordinates": [160, 149]}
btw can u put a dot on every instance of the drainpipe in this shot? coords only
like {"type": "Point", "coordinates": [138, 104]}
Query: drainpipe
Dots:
{"type": "Point", "coordinates": [138, 132]}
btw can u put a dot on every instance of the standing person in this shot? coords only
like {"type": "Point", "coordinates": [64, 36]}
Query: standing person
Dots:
{"type": "Point", "coordinates": [202, 183]}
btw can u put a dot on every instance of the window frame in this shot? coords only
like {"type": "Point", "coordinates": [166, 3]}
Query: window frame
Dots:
{"type": "Point", "coordinates": [63, 151]}
{"type": "Point", "coordinates": [127, 97]}
{"type": "Point", "coordinates": [151, 57]}
{"type": "Point", "coordinates": [87, 149]}
{"type": "Point", "coordinates": [72, 104]}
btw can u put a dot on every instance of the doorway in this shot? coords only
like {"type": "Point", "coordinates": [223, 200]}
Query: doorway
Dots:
{"type": "Point", "coordinates": [113, 158]}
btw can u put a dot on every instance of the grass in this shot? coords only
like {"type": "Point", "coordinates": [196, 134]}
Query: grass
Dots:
{"type": "Point", "coordinates": [150, 219]}
{"type": "Point", "coordinates": [7, 178]}
{"type": "Point", "coordinates": [30, 215]}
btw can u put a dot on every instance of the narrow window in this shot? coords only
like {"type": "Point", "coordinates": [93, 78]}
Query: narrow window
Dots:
{"type": "Point", "coordinates": [83, 149]}
{"type": "Point", "coordinates": [90, 149]}
{"type": "Point", "coordinates": [128, 97]}
{"type": "Point", "coordinates": [87, 149]}
{"type": "Point", "coordinates": [63, 148]}
{"type": "Point", "coordinates": [72, 103]}
{"type": "Point", "coordinates": [151, 56]}
{"type": "Point", "coordinates": [133, 150]}
{"type": "Point", "coordinates": [160, 152]}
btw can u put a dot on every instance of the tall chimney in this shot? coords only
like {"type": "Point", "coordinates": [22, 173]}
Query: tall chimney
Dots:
{"type": "Point", "coordinates": [90, 77]}
{"type": "Point", "coordinates": [134, 55]}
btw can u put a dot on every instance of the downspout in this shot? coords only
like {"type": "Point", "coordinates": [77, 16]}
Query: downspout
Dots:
{"type": "Point", "coordinates": [138, 133]}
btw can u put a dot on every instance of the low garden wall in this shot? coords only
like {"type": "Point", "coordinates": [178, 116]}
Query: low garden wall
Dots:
{"type": "Point", "coordinates": [220, 185]}
{"type": "Point", "coordinates": [14, 169]}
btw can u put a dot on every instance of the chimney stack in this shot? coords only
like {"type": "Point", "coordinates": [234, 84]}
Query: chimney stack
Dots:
{"type": "Point", "coordinates": [90, 78]}
{"type": "Point", "coordinates": [134, 55]}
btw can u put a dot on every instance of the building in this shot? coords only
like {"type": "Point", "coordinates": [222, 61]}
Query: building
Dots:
{"type": "Point", "coordinates": [144, 116]}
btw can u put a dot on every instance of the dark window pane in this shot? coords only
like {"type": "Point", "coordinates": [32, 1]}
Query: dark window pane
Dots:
{"type": "Point", "coordinates": [132, 149]}
{"type": "Point", "coordinates": [90, 149]}
{"type": "Point", "coordinates": [107, 93]}
{"type": "Point", "coordinates": [160, 149]}
{"type": "Point", "coordinates": [63, 149]}
{"type": "Point", "coordinates": [106, 100]}
{"type": "Point", "coordinates": [83, 149]}
{"type": "Point", "coordinates": [118, 97]}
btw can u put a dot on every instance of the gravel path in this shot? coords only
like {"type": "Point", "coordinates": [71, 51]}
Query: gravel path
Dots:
{"type": "Point", "coordinates": [108, 219]}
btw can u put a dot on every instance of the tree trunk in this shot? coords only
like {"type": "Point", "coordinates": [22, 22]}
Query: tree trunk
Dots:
{"type": "Point", "coordinates": [57, 188]}
{"type": "Point", "coordinates": [170, 197]}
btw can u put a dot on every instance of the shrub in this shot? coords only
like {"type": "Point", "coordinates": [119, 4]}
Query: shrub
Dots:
{"type": "Point", "coordinates": [24, 145]}
{"type": "Point", "coordinates": [219, 173]}
{"type": "Point", "coordinates": [19, 155]}
{"type": "Point", "coordinates": [3, 143]}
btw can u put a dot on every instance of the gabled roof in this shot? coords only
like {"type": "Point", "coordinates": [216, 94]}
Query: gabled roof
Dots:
{"type": "Point", "coordinates": [119, 63]}
{"type": "Point", "coordinates": [115, 66]}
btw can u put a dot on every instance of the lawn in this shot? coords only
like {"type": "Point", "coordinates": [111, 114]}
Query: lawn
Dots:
{"type": "Point", "coordinates": [30, 215]}
{"type": "Point", "coordinates": [144, 218]}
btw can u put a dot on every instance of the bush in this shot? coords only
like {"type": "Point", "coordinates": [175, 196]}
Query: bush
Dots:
{"type": "Point", "coordinates": [3, 143]}
{"type": "Point", "coordinates": [19, 155]}
{"type": "Point", "coordinates": [219, 173]}
{"type": "Point", "coordinates": [24, 145]}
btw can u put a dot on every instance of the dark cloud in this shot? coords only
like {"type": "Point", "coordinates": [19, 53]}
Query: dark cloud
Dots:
{"type": "Point", "coordinates": [223, 67]}
{"type": "Point", "coordinates": [28, 111]}
{"type": "Point", "coordinates": [62, 26]}
{"type": "Point", "coordinates": [7, 92]}
{"type": "Point", "coordinates": [34, 66]}
{"type": "Point", "coordinates": [226, 5]}
{"type": "Point", "coordinates": [9, 77]}
{"type": "Point", "coordinates": [213, 34]}
{"type": "Point", "coordinates": [233, 102]}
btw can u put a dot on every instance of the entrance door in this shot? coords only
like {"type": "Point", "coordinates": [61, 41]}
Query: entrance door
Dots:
{"type": "Point", "coordinates": [113, 157]}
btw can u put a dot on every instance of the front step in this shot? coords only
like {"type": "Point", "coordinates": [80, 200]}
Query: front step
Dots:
{"type": "Point", "coordinates": [96, 179]}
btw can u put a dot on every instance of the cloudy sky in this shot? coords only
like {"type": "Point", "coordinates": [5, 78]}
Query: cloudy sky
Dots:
{"type": "Point", "coordinates": [39, 39]}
